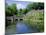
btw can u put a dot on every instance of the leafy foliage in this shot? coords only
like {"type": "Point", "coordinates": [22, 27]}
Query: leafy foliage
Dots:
{"type": "Point", "coordinates": [35, 6]}
{"type": "Point", "coordinates": [11, 10]}
{"type": "Point", "coordinates": [35, 19]}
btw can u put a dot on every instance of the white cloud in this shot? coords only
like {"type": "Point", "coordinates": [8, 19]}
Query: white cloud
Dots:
{"type": "Point", "coordinates": [20, 6]}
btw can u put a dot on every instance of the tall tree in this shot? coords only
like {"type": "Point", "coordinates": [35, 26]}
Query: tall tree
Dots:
{"type": "Point", "coordinates": [35, 6]}
{"type": "Point", "coordinates": [11, 9]}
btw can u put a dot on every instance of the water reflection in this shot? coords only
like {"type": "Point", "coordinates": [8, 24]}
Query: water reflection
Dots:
{"type": "Point", "coordinates": [19, 28]}
{"type": "Point", "coordinates": [23, 28]}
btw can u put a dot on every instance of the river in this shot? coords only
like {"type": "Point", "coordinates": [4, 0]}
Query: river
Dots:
{"type": "Point", "coordinates": [19, 28]}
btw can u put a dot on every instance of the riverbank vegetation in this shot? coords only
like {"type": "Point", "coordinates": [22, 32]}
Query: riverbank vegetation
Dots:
{"type": "Point", "coordinates": [34, 14]}
{"type": "Point", "coordinates": [35, 19]}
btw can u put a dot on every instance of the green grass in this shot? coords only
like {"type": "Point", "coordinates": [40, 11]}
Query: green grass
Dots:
{"type": "Point", "coordinates": [35, 19]}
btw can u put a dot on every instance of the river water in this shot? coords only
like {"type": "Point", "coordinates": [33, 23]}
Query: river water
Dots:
{"type": "Point", "coordinates": [19, 28]}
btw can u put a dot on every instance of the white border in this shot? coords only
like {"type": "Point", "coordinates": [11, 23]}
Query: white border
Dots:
{"type": "Point", "coordinates": [2, 18]}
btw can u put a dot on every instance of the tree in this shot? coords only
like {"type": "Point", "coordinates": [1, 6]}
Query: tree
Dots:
{"type": "Point", "coordinates": [24, 11]}
{"type": "Point", "coordinates": [40, 5]}
{"type": "Point", "coordinates": [7, 10]}
{"type": "Point", "coordinates": [35, 6]}
{"type": "Point", "coordinates": [30, 6]}
{"type": "Point", "coordinates": [11, 10]}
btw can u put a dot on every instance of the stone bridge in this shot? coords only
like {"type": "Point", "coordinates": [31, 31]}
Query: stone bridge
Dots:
{"type": "Point", "coordinates": [14, 18]}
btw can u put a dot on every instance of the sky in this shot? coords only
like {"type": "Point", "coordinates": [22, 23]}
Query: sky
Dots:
{"type": "Point", "coordinates": [20, 4]}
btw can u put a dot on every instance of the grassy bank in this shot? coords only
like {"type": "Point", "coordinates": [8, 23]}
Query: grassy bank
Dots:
{"type": "Point", "coordinates": [35, 18]}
